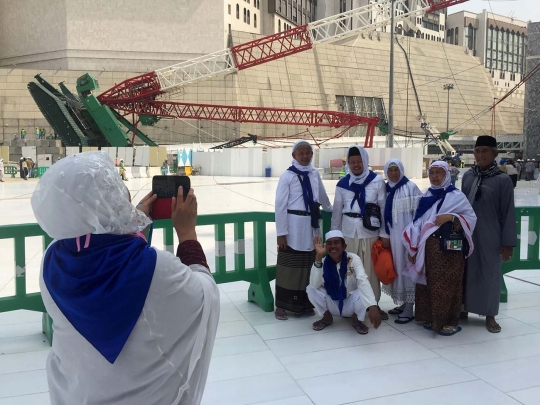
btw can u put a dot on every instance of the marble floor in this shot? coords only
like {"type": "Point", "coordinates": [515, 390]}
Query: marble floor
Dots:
{"type": "Point", "coordinates": [259, 360]}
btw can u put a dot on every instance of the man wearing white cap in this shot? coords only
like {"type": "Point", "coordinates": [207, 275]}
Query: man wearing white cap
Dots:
{"type": "Point", "coordinates": [358, 206]}
{"type": "Point", "coordinates": [338, 285]}
{"type": "Point", "coordinates": [299, 195]}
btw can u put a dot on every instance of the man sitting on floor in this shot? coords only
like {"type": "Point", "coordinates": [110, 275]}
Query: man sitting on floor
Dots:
{"type": "Point", "coordinates": [338, 285]}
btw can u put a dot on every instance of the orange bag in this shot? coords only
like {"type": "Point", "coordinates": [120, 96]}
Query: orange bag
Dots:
{"type": "Point", "coordinates": [383, 264]}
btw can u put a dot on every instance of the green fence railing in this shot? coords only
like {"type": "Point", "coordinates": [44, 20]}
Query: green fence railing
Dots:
{"type": "Point", "coordinates": [259, 276]}
{"type": "Point", "coordinates": [531, 234]}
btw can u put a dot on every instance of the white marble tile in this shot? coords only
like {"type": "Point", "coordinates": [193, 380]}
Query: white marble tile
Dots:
{"type": "Point", "coordinates": [473, 392]}
{"type": "Point", "coordinates": [474, 330]}
{"type": "Point", "coordinates": [229, 313]}
{"type": "Point", "coordinates": [303, 400]}
{"type": "Point", "coordinates": [301, 327]}
{"type": "Point", "coordinates": [24, 383]}
{"type": "Point", "coordinates": [28, 361]}
{"type": "Point", "coordinates": [492, 351]}
{"type": "Point", "coordinates": [21, 344]}
{"type": "Point", "coordinates": [329, 362]}
{"type": "Point", "coordinates": [332, 340]}
{"type": "Point", "coordinates": [31, 399]}
{"type": "Point", "coordinates": [20, 329]}
{"type": "Point", "coordinates": [263, 318]}
{"type": "Point", "coordinates": [236, 328]}
{"type": "Point", "coordinates": [521, 301]}
{"type": "Point", "coordinates": [527, 396]}
{"type": "Point", "coordinates": [243, 365]}
{"type": "Point", "coordinates": [251, 390]}
{"type": "Point", "coordinates": [238, 344]}
{"type": "Point", "coordinates": [21, 316]}
{"type": "Point", "coordinates": [510, 375]}
{"type": "Point", "coordinates": [527, 315]}
{"type": "Point", "coordinates": [383, 381]}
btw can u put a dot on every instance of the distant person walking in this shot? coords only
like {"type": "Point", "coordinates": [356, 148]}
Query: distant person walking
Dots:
{"type": "Point", "coordinates": [454, 173]}
{"type": "Point", "coordinates": [529, 170]}
{"type": "Point", "coordinates": [512, 172]}
{"type": "Point", "coordinates": [23, 133]}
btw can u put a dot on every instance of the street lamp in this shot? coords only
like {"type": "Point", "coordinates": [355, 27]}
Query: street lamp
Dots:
{"type": "Point", "coordinates": [448, 87]}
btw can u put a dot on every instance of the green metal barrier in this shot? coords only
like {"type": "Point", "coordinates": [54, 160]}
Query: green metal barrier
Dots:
{"type": "Point", "coordinates": [531, 260]}
{"type": "Point", "coordinates": [41, 171]}
{"type": "Point", "coordinates": [258, 276]}
{"type": "Point", "coordinates": [13, 170]}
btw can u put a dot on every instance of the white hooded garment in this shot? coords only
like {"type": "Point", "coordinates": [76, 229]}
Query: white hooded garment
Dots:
{"type": "Point", "coordinates": [167, 355]}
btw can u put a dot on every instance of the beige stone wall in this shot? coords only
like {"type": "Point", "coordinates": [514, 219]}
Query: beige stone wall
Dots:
{"type": "Point", "coordinates": [120, 35]}
{"type": "Point", "coordinates": [310, 80]}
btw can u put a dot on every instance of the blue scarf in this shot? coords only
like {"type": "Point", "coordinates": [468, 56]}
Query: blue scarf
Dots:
{"type": "Point", "coordinates": [101, 289]}
{"type": "Point", "coordinates": [359, 190]}
{"type": "Point", "coordinates": [336, 290]}
{"type": "Point", "coordinates": [390, 201]}
{"type": "Point", "coordinates": [307, 191]}
{"type": "Point", "coordinates": [427, 202]}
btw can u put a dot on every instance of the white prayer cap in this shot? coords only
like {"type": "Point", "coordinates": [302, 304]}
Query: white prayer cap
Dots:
{"type": "Point", "coordinates": [334, 234]}
{"type": "Point", "coordinates": [301, 143]}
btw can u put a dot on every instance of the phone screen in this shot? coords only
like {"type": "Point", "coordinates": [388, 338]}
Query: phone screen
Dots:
{"type": "Point", "coordinates": [166, 187]}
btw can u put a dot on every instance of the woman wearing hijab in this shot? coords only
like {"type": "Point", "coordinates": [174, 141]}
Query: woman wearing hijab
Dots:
{"type": "Point", "coordinates": [355, 193]}
{"type": "Point", "coordinates": [438, 241]}
{"type": "Point", "coordinates": [132, 324]}
{"type": "Point", "coordinates": [401, 203]}
{"type": "Point", "coordinates": [299, 195]}
{"type": "Point", "coordinates": [1, 170]}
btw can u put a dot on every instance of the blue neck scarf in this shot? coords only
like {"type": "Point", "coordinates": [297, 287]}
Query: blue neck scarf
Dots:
{"type": "Point", "coordinates": [390, 201]}
{"type": "Point", "coordinates": [332, 284]}
{"type": "Point", "coordinates": [427, 202]}
{"type": "Point", "coordinates": [359, 190]}
{"type": "Point", "coordinates": [307, 191]}
{"type": "Point", "coordinates": [101, 289]}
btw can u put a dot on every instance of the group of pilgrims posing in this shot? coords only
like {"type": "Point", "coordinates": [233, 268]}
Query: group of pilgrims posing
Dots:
{"type": "Point", "coordinates": [447, 245]}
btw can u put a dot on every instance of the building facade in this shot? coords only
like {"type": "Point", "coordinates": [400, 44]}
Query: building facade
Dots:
{"type": "Point", "coordinates": [531, 125]}
{"type": "Point", "coordinates": [499, 42]}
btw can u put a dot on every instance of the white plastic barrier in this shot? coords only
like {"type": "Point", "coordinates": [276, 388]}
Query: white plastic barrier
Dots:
{"type": "Point", "coordinates": [139, 172]}
{"type": "Point", "coordinates": [129, 174]}
{"type": "Point", "coordinates": [154, 171]}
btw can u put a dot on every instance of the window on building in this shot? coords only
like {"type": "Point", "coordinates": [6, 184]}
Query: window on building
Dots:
{"type": "Point", "coordinates": [255, 20]}
{"type": "Point", "coordinates": [279, 25]}
{"type": "Point", "coordinates": [248, 17]}
{"type": "Point", "coordinates": [342, 6]}
{"type": "Point", "coordinates": [502, 75]}
{"type": "Point", "coordinates": [470, 37]}
{"type": "Point", "coordinates": [229, 9]}
{"type": "Point", "coordinates": [245, 15]}
{"type": "Point", "coordinates": [456, 39]}
{"type": "Point", "coordinates": [513, 77]}
{"type": "Point", "coordinates": [237, 12]}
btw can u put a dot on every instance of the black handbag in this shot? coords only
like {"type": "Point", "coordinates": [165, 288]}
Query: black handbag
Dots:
{"type": "Point", "coordinates": [372, 219]}
{"type": "Point", "coordinates": [452, 241]}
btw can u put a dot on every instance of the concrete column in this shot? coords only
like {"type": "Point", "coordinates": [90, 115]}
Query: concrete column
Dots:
{"type": "Point", "coordinates": [531, 123]}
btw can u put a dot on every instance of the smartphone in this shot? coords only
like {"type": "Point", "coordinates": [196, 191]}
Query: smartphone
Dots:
{"type": "Point", "coordinates": [166, 187]}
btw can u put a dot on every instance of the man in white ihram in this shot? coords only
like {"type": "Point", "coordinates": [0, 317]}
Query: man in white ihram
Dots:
{"type": "Point", "coordinates": [339, 286]}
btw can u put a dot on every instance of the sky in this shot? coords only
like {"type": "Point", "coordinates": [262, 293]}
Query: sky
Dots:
{"type": "Point", "coordinates": [522, 9]}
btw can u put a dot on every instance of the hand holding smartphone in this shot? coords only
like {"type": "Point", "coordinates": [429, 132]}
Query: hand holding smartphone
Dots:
{"type": "Point", "coordinates": [166, 187]}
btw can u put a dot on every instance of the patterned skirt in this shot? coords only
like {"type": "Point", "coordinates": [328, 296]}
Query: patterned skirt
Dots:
{"type": "Point", "coordinates": [292, 277]}
{"type": "Point", "coordinates": [439, 302]}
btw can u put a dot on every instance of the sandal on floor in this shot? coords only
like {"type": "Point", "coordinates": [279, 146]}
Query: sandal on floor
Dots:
{"type": "Point", "coordinates": [395, 311]}
{"type": "Point", "coordinates": [493, 327]}
{"type": "Point", "coordinates": [320, 325]}
{"type": "Point", "coordinates": [384, 315]}
{"type": "Point", "coordinates": [449, 330]}
{"type": "Point", "coordinates": [281, 314]}
{"type": "Point", "coordinates": [360, 328]}
{"type": "Point", "coordinates": [309, 312]}
{"type": "Point", "coordinates": [402, 320]}
{"type": "Point", "coordinates": [427, 326]}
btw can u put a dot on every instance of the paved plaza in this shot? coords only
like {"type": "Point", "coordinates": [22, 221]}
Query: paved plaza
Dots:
{"type": "Point", "coordinates": [260, 360]}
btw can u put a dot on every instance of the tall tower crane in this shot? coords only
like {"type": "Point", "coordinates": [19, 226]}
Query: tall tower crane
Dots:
{"type": "Point", "coordinates": [145, 98]}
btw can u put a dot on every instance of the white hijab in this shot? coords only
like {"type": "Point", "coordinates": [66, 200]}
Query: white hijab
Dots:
{"type": "Point", "coordinates": [416, 233]}
{"type": "Point", "coordinates": [84, 194]}
{"type": "Point", "coordinates": [447, 179]}
{"type": "Point", "coordinates": [399, 165]}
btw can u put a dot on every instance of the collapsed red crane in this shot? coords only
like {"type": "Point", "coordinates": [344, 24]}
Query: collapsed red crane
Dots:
{"type": "Point", "coordinates": [143, 95]}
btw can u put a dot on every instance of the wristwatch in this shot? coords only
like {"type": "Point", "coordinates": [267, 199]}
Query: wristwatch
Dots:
{"type": "Point", "coordinates": [318, 264]}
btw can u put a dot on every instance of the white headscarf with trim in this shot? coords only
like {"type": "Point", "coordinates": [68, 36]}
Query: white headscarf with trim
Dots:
{"type": "Point", "coordinates": [399, 165]}
{"type": "Point", "coordinates": [84, 194]}
{"type": "Point", "coordinates": [447, 179]}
